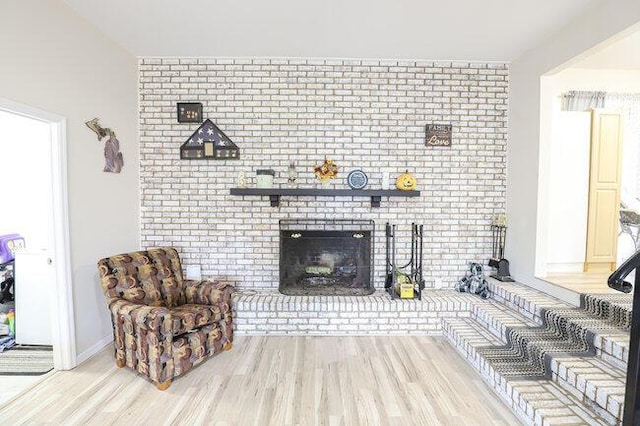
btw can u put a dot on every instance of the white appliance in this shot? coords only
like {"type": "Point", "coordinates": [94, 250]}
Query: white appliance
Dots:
{"type": "Point", "coordinates": [34, 280]}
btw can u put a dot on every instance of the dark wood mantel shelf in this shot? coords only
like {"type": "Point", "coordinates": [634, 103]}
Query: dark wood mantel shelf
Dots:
{"type": "Point", "coordinates": [274, 194]}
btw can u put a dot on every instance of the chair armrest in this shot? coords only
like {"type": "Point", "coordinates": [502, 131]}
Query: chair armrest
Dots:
{"type": "Point", "coordinates": [143, 339]}
{"type": "Point", "coordinates": [206, 292]}
{"type": "Point", "coordinates": [154, 319]}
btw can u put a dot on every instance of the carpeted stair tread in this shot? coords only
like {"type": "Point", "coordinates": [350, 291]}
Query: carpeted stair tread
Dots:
{"type": "Point", "coordinates": [523, 299]}
{"type": "Point", "coordinates": [534, 401]}
{"type": "Point", "coordinates": [614, 309]}
{"type": "Point", "coordinates": [564, 332]}
{"type": "Point", "coordinates": [528, 350]}
{"type": "Point", "coordinates": [579, 376]}
{"type": "Point", "coordinates": [474, 334]}
{"type": "Point", "coordinates": [610, 341]}
{"type": "Point", "coordinates": [497, 318]}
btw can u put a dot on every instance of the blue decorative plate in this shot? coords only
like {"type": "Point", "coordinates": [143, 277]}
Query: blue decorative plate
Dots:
{"type": "Point", "coordinates": [357, 179]}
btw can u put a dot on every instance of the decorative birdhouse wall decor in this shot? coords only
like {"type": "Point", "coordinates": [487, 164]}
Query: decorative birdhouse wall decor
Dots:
{"type": "Point", "coordinates": [209, 142]}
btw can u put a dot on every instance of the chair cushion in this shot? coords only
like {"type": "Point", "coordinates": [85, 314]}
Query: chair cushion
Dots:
{"type": "Point", "coordinates": [186, 318]}
{"type": "Point", "coordinates": [152, 277]}
{"type": "Point", "coordinates": [131, 277]}
{"type": "Point", "coordinates": [169, 274]}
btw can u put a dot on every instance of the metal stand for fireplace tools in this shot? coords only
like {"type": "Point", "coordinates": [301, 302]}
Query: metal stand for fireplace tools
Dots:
{"type": "Point", "coordinates": [499, 235]}
{"type": "Point", "coordinates": [396, 279]}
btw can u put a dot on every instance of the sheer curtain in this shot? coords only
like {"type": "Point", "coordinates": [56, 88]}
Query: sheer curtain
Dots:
{"type": "Point", "coordinates": [579, 100]}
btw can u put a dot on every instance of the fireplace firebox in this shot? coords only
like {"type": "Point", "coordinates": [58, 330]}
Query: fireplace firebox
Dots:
{"type": "Point", "coordinates": [326, 257]}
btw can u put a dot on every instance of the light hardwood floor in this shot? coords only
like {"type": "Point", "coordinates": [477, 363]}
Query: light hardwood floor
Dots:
{"type": "Point", "coordinates": [582, 282]}
{"type": "Point", "coordinates": [10, 386]}
{"type": "Point", "coordinates": [278, 380]}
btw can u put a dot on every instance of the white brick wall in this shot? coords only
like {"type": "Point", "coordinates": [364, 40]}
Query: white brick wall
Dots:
{"type": "Point", "coordinates": [361, 113]}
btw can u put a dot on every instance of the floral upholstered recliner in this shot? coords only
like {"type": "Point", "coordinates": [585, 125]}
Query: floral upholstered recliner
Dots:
{"type": "Point", "coordinates": [164, 325]}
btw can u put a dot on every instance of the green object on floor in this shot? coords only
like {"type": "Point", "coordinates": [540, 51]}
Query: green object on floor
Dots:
{"type": "Point", "coordinates": [11, 317]}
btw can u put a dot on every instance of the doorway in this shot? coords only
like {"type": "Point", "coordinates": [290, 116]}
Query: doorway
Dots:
{"type": "Point", "coordinates": [50, 234]}
{"type": "Point", "coordinates": [567, 98]}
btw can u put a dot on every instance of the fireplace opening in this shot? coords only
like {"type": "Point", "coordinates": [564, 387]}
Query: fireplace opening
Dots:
{"type": "Point", "coordinates": [326, 257]}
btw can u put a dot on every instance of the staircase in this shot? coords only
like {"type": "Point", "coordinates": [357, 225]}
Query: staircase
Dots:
{"type": "Point", "coordinates": [551, 362]}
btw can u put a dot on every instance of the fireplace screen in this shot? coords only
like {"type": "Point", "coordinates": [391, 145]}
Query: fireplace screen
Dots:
{"type": "Point", "coordinates": [326, 257]}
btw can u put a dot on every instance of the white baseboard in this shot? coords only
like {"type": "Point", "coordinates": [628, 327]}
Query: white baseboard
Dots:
{"type": "Point", "coordinates": [94, 349]}
{"type": "Point", "coordinates": [565, 267]}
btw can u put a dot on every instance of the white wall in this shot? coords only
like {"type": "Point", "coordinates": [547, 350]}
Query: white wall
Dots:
{"type": "Point", "coordinates": [524, 150]}
{"type": "Point", "coordinates": [55, 61]}
{"type": "Point", "coordinates": [568, 190]}
{"type": "Point", "coordinates": [25, 148]}
{"type": "Point", "coordinates": [608, 80]}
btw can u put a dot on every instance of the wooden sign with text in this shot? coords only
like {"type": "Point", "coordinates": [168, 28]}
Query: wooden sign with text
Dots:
{"type": "Point", "coordinates": [438, 135]}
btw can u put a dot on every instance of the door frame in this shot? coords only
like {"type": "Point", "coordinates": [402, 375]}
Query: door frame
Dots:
{"type": "Point", "coordinates": [62, 315]}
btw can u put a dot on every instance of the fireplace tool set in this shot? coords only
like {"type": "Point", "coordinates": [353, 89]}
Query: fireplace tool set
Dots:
{"type": "Point", "coordinates": [404, 281]}
{"type": "Point", "coordinates": [499, 235]}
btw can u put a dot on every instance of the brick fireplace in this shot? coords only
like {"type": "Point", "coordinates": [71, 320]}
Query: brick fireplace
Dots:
{"type": "Point", "coordinates": [367, 114]}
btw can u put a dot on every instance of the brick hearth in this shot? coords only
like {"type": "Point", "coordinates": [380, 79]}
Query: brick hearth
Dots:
{"type": "Point", "coordinates": [275, 313]}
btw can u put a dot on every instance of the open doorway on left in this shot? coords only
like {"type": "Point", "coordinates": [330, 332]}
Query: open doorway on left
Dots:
{"type": "Point", "coordinates": [26, 242]}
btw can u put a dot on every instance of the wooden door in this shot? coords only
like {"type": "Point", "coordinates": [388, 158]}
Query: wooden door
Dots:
{"type": "Point", "coordinates": [604, 191]}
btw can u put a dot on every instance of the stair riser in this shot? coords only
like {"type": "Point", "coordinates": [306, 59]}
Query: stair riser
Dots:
{"type": "Point", "coordinates": [505, 392]}
{"type": "Point", "coordinates": [612, 351]}
{"type": "Point", "coordinates": [603, 396]}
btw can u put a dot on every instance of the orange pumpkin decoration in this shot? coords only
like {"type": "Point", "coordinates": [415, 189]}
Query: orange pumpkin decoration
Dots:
{"type": "Point", "coordinates": [406, 182]}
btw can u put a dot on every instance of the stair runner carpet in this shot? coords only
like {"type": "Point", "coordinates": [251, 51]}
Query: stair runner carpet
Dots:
{"type": "Point", "coordinates": [613, 308]}
{"type": "Point", "coordinates": [564, 333]}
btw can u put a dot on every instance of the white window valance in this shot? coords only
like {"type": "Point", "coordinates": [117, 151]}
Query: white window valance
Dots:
{"type": "Point", "coordinates": [578, 100]}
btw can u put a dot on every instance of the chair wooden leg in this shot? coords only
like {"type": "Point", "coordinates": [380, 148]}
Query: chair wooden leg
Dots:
{"type": "Point", "coordinates": [227, 346]}
{"type": "Point", "coordinates": [164, 385]}
{"type": "Point", "coordinates": [120, 363]}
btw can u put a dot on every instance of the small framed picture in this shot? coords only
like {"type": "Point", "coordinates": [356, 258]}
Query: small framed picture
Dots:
{"type": "Point", "coordinates": [189, 112]}
{"type": "Point", "coordinates": [438, 135]}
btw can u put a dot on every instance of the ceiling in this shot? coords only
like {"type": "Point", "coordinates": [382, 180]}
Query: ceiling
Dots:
{"type": "Point", "coordinates": [622, 54]}
{"type": "Point", "coordinates": [483, 30]}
